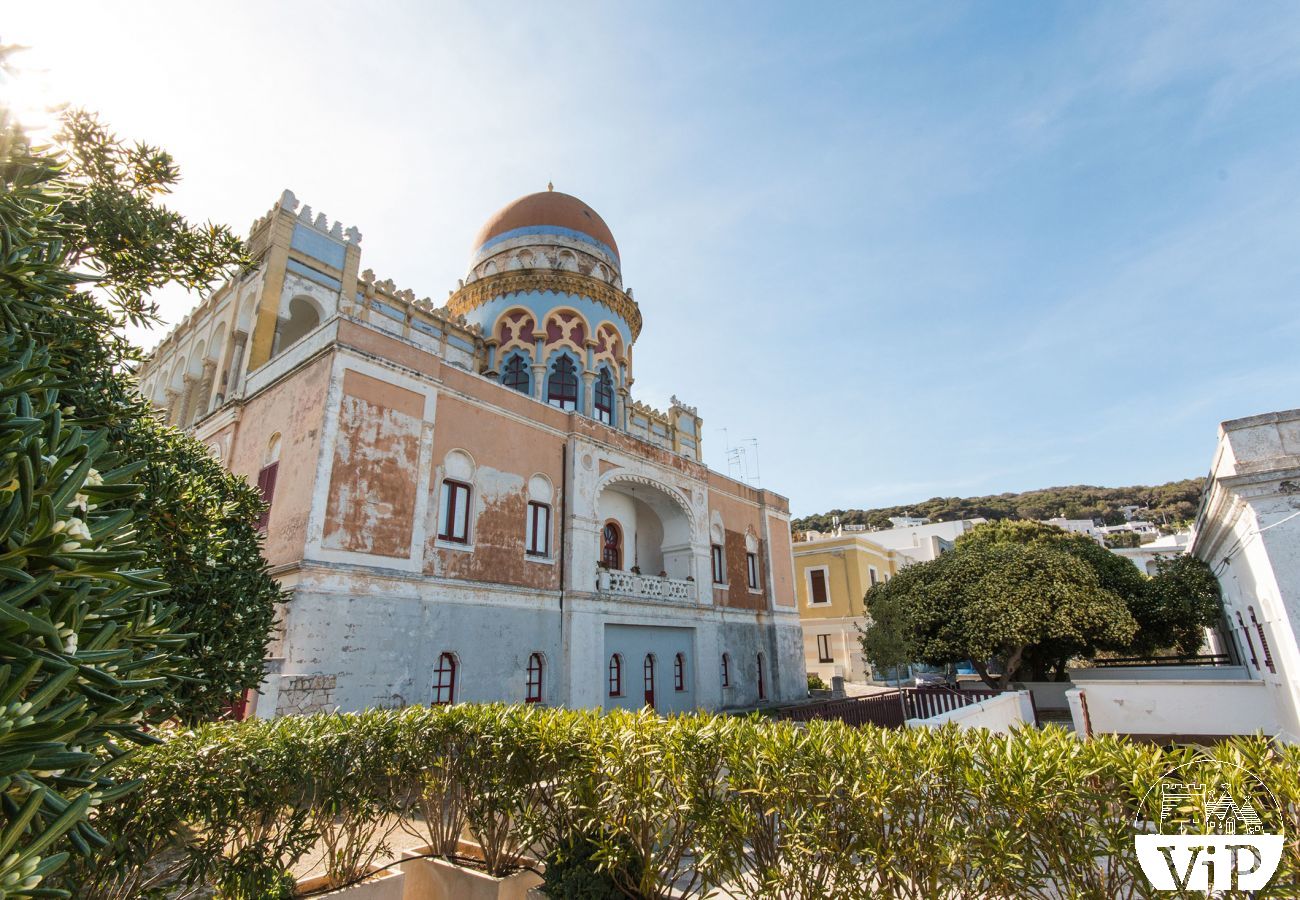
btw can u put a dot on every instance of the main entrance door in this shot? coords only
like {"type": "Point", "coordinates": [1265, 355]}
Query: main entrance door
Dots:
{"type": "Point", "coordinates": [650, 680]}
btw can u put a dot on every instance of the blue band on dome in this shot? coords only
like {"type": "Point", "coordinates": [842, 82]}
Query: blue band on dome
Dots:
{"type": "Point", "coordinates": [546, 229]}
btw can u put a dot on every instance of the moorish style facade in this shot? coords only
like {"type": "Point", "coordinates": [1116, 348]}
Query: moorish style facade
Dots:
{"type": "Point", "coordinates": [466, 502]}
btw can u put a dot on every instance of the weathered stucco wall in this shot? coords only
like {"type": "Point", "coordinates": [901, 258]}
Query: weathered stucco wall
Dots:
{"type": "Point", "coordinates": [373, 480]}
{"type": "Point", "coordinates": [293, 408]}
{"type": "Point", "coordinates": [506, 453]}
{"type": "Point", "coordinates": [783, 590]}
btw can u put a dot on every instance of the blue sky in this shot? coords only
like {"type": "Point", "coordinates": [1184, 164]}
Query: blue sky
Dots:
{"type": "Point", "coordinates": [913, 249]}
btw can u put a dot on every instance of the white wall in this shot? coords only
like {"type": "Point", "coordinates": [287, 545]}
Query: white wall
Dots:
{"type": "Point", "coordinates": [1209, 708]}
{"type": "Point", "coordinates": [998, 714]}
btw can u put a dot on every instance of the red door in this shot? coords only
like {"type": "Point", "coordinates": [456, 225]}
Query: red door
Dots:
{"type": "Point", "coordinates": [650, 680]}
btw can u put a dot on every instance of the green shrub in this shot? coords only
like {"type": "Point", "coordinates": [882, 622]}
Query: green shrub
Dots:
{"type": "Point", "coordinates": [815, 683]}
{"type": "Point", "coordinates": [632, 805]}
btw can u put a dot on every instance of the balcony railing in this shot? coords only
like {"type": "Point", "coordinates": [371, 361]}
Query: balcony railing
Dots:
{"type": "Point", "coordinates": [651, 587]}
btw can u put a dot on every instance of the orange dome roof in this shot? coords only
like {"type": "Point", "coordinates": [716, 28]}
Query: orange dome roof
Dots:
{"type": "Point", "coordinates": [545, 208]}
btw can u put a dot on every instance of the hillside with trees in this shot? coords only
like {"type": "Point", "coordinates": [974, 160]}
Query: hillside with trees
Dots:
{"type": "Point", "coordinates": [1173, 503]}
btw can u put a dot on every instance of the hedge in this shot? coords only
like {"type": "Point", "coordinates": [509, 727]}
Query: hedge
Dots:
{"type": "Point", "coordinates": [643, 804]}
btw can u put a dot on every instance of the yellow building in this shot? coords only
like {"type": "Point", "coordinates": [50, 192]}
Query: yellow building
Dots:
{"type": "Point", "coordinates": [832, 574]}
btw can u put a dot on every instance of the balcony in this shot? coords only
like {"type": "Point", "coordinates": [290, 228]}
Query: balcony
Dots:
{"type": "Point", "coordinates": [648, 587]}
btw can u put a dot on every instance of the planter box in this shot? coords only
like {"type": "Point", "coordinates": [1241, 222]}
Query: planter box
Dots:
{"type": "Point", "coordinates": [391, 885]}
{"type": "Point", "coordinates": [438, 879]}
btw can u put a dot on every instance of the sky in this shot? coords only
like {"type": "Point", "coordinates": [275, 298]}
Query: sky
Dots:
{"type": "Point", "coordinates": [911, 249]}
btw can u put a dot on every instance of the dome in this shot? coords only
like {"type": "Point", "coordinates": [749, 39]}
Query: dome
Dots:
{"type": "Point", "coordinates": [546, 212]}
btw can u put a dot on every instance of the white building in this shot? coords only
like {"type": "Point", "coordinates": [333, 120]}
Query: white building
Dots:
{"type": "Point", "coordinates": [924, 542]}
{"type": "Point", "coordinates": [1078, 526]}
{"type": "Point", "coordinates": [1164, 547]}
{"type": "Point", "coordinates": [1248, 530]}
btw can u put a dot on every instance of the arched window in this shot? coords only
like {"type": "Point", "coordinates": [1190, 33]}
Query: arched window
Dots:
{"type": "Point", "coordinates": [762, 682]}
{"type": "Point", "coordinates": [726, 670]}
{"type": "Point", "coordinates": [534, 694]}
{"type": "Point", "coordinates": [515, 375]}
{"type": "Point", "coordinates": [444, 680]}
{"type": "Point", "coordinates": [612, 553]}
{"type": "Point", "coordinates": [562, 391]}
{"type": "Point", "coordinates": [1263, 641]}
{"type": "Point", "coordinates": [1249, 642]}
{"type": "Point", "coordinates": [616, 676]}
{"type": "Point", "coordinates": [649, 669]}
{"type": "Point", "coordinates": [679, 672]}
{"type": "Point", "coordinates": [605, 397]}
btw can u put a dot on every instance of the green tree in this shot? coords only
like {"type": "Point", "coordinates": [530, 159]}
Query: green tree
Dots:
{"type": "Point", "coordinates": [1018, 604]}
{"type": "Point", "coordinates": [1179, 602]}
{"type": "Point", "coordinates": [196, 521]}
{"type": "Point", "coordinates": [98, 499]}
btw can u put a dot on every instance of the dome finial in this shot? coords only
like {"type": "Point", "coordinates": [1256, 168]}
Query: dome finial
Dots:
{"type": "Point", "coordinates": [550, 186]}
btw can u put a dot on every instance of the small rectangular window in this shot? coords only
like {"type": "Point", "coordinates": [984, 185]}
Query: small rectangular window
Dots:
{"type": "Point", "coordinates": [718, 566]}
{"type": "Point", "coordinates": [454, 515]}
{"type": "Point", "coordinates": [824, 648]}
{"type": "Point", "coordinates": [537, 538]}
{"type": "Point", "coordinates": [266, 484]}
{"type": "Point", "coordinates": [817, 582]}
{"type": "Point", "coordinates": [871, 573]}
{"type": "Point", "coordinates": [751, 563]}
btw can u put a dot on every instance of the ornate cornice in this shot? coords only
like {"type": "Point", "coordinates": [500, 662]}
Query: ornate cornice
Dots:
{"type": "Point", "coordinates": [519, 281]}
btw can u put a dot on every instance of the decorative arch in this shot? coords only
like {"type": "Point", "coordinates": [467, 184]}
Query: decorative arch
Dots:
{"type": "Point", "coordinates": [609, 345]}
{"type": "Point", "coordinates": [197, 356]}
{"type": "Point", "coordinates": [305, 314]}
{"type": "Point", "coordinates": [618, 476]}
{"type": "Point", "coordinates": [566, 327]}
{"type": "Point", "coordinates": [272, 449]}
{"type": "Point", "coordinates": [516, 328]}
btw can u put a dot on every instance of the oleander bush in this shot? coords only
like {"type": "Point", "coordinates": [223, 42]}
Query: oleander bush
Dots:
{"type": "Point", "coordinates": [632, 805]}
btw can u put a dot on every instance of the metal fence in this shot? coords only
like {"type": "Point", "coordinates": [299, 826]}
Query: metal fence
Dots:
{"type": "Point", "coordinates": [888, 709]}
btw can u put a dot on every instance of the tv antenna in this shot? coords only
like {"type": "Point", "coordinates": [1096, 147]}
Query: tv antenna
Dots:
{"type": "Point", "coordinates": [742, 460]}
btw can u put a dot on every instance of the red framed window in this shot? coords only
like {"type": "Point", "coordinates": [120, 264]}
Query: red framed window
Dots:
{"type": "Point", "coordinates": [562, 386]}
{"type": "Point", "coordinates": [616, 676]}
{"type": "Point", "coordinates": [817, 587]}
{"type": "Point", "coordinates": [824, 648]}
{"type": "Point", "coordinates": [453, 519]}
{"type": "Point", "coordinates": [612, 553]}
{"type": "Point", "coordinates": [1249, 643]}
{"type": "Point", "coordinates": [718, 567]}
{"type": "Point", "coordinates": [679, 672]}
{"type": "Point", "coordinates": [762, 681]}
{"type": "Point", "coordinates": [649, 674]}
{"type": "Point", "coordinates": [266, 484]}
{"type": "Point", "coordinates": [534, 693]}
{"type": "Point", "coordinates": [444, 681]}
{"type": "Point", "coordinates": [515, 375]}
{"type": "Point", "coordinates": [1263, 641]}
{"type": "Point", "coordinates": [751, 566]}
{"type": "Point", "coordinates": [605, 397]}
{"type": "Point", "coordinates": [726, 670]}
{"type": "Point", "coordinates": [537, 540]}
